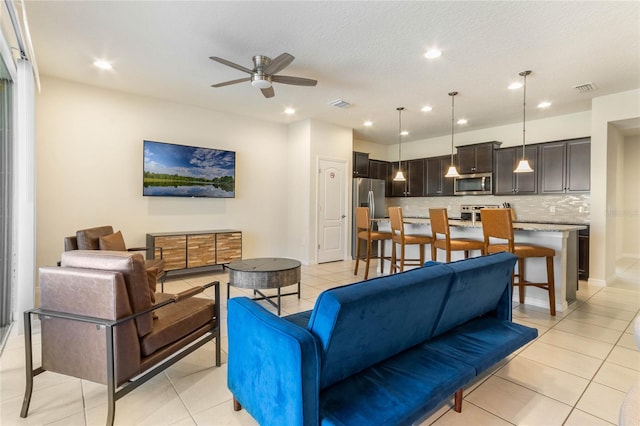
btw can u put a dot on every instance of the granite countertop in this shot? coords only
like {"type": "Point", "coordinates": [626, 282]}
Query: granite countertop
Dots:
{"type": "Point", "coordinates": [521, 226]}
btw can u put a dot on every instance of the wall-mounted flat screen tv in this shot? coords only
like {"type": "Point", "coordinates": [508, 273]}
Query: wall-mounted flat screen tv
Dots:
{"type": "Point", "coordinates": [172, 170]}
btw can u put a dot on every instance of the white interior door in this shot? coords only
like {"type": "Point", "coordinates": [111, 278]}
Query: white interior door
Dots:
{"type": "Point", "coordinates": [332, 210]}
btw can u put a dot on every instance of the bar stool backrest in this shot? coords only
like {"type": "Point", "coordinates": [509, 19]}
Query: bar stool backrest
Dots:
{"type": "Point", "coordinates": [395, 216]}
{"type": "Point", "coordinates": [439, 222]}
{"type": "Point", "coordinates": [363, 222]}
{"type": "Point", "coordinates": [497, 223]}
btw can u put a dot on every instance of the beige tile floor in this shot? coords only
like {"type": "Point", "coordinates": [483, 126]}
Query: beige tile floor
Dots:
{"type": "Point", "coordinates": [576, 373]}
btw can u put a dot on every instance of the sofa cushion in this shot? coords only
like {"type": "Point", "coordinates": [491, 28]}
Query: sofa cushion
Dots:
{"type": "Point", "coordinates": [478, 287]}
{"type": "Point", "coordinates": [483, 341]}
{"type": "Point", "coordinates": [361, 324]}
{"type": "Point", "coordinates": [89, 239]}
{"type": "Point", "coordinates": [131, 265]}
{"type": "Point", "coordinates": [397, 391]}
{"type": "Point", "coordinates": [301, 319]}
{"type": "Point", "coordinates": [114, 242]}
{"type": "Point", "coordinates": [176, 321]}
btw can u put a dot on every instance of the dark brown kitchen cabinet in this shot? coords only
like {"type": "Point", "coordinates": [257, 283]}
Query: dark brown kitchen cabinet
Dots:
{"type": "Point", "coordinates": [476, 158]}
{"type": "Point", "coordinates": [506, 181]}
{"type": "Point", "coordinates": [379, 169]}
{"type": "Point", "coordinates": [415, 178]}
{"type": "Point", "coordinates": [565, 166]}
{"type": "Point", "coordinates": [360, 164]}
{"type": "Point", "coordinates": [398, 189]}
{"type": "Point", "coordinates": [413, 186]}
{"type": "Point", "coordinates": [435, 169]}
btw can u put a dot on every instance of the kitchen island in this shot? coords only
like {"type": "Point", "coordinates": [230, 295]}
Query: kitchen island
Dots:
{"type": "Point", "coordinates": [562, 238]}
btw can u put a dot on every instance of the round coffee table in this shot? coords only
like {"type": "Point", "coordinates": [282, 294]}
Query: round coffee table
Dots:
{"type": "Point", "coordinates": [265, 273]}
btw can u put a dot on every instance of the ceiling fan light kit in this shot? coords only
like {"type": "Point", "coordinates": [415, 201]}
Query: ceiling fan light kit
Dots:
{"type": "Point", "coordinates": [263, 73]}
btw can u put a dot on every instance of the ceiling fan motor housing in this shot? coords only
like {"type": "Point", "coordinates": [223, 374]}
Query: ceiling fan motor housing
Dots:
{"type": "Point", "coordinates": [258, 78]}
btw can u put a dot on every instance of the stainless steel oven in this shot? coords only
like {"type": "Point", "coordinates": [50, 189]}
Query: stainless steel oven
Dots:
{"type": "Point", "coordinates": [472, 212]}
{"type": "Point", "coordinates": [474, 184]}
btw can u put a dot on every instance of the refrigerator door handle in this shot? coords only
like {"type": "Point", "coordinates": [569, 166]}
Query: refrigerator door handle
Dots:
{"type": "Point", "coordinates": [372, 205]}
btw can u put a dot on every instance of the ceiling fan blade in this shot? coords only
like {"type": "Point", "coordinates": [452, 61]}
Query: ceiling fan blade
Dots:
{"type": "Point", "coordinates": [230, 64]}
{"type": "Point", "coordinates": [227, 83]}
{"type": "Point", "coordinates": [279, 63]}
{"type": "Point", "coordinates": [298, 81]}
{"type": "Point", "coordinates": [268, 92]}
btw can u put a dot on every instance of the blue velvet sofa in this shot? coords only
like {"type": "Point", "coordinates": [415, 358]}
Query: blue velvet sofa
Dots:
{"type": "Point", "coordinates": [380, 352]}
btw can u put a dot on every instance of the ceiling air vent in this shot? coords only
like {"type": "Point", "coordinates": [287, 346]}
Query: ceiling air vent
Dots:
{"type": "Point", "coordinates": [340, 103]}
{"type": "Point", "coordinates": [586, 87]}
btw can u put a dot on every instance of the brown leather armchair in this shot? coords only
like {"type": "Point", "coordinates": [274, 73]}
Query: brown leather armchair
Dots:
{"type": "Point", "coordinates": [97, 323]}
{"type": "Point", "coordinates": [103, 238]}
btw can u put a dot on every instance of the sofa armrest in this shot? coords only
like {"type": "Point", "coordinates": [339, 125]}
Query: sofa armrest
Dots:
{"type": "Point", "coordinates": [146, 249]}
{"type": "Point", "coordinates": [273, 368]}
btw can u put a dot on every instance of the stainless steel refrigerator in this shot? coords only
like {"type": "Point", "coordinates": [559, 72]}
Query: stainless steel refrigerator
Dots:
{"type": "Point", "coordinates": [367, 193]}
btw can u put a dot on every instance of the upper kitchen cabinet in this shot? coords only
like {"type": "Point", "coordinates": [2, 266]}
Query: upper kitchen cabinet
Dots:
{"type": "Point", "coordinates": [565, 166]}
{"type": "Point", "coordinates": [435, 169]}
{"type": "Point", "coordinates": [476, 158]}
{"type": "Point", "coordinates": [360, 164]}
{"type": "Point", "coordinates": [509, 183]}
{"type": "Point", "coordinates": [379, 169]}
{"type": "Point", "coordinates": [415, 178]}
{"type": "Point", "coordinates": [414, 174]}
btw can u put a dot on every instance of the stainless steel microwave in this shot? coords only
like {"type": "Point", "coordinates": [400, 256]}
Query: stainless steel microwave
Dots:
{"type": "Point", "coordinates": [474, 184]}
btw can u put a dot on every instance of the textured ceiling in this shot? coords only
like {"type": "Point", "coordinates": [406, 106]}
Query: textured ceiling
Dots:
{"type": "Point", "coordinates": [367, 53]}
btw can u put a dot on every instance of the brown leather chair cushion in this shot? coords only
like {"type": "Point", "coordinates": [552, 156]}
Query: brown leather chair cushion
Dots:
{"type": "Point", "coordinates": [114, 242]}
{"type": "Point", "coordinates": [131, 265]}
{"type": "Point", "coordinates": [89, 239]}
{"type": "Point", "coordinates": [176, 321]}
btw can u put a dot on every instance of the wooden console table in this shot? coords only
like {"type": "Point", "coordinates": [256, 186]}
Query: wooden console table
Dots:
{"type": "Point", "coordinates": [195, 251]}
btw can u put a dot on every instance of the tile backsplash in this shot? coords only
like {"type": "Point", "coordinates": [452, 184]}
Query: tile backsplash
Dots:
{"type": "Point", "coordinates": [565, 208]}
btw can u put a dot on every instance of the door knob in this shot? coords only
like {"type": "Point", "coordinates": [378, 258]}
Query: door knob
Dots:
{"type": "Point", "coordinates": [343, 216]}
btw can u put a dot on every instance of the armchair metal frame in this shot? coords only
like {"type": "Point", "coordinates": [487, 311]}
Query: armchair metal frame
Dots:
{"type": "Point", "coordinates": [114, 392]}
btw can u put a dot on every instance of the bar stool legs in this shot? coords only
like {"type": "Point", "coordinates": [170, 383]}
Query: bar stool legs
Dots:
{"type": "Point", "coordinates": [549, 285]}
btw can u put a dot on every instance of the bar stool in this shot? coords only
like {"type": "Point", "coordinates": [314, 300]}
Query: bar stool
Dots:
{"type": "Point", "coordinates": [364, 232]}
{"type": "Point", "coordinates": [497, 223]}
{"type": "Point", "coordinates": [440, 226]}
{"type": "Point", "coordinates": [399, 237]}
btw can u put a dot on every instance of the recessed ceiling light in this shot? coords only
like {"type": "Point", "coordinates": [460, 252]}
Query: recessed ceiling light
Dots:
{"type": "Point", "coordinates": [404, 133]}
{"type": "Point", "coordinates": [426, 108]}
{"type": "Point", "coordinates": [544, 104]}
{"type": "Point", "coordinates": [514, 86]}
{"type": "Point", "coordinates": [368, 123]}
{"type": "Point", "coordinates": [462, 121]}
{"type": "Point", "coordinates": [433, 53]}
{"type": "Point", "coordinates": [102, 64]}
{"type": "Point", "coordinates": [289, 111]}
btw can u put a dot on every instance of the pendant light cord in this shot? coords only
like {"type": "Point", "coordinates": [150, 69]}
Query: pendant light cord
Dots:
{"type": "Point", "coordinates": [524, 74]}
{"type": "Point", "coordinates": [400, 137]}
{"type": "Point", "coordinates": [452, 94]}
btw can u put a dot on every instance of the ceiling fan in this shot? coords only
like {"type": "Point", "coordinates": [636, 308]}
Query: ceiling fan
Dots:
{"type": "Point", "coordinates": [264, 73]}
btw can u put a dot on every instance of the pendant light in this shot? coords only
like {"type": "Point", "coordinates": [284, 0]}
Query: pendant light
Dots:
{"type": "Point", "coordinates": [399, 176]}
{"type": "Point", "coordinates": [452, 172]}
{"type": "Point", "coordinates": [523, 165]}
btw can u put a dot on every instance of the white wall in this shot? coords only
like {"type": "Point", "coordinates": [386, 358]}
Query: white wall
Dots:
{"type": "Point", "coordinates": [631, 200]}
{"type": "Point", "coordinates": [310, 140]}
{"type": "Point", "coordinates": [544, 130]}
{"type": "Point", "coordinates": [331, 142]}
{"type": "Point", "coordinates": [298, 188]}
{"type": "Point", "coordinates": [89, 169]}
{"type": "Point", "coordinates": [605, 110]}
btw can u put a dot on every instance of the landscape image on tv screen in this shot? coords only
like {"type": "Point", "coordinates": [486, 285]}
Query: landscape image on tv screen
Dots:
{"type": "Point", "coordinates": [172, 170]}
